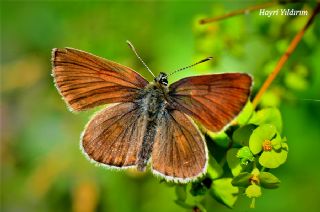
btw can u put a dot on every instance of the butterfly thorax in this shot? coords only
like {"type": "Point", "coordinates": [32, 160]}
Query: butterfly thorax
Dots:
{"type": "Point", "coordinates": [152, 103]}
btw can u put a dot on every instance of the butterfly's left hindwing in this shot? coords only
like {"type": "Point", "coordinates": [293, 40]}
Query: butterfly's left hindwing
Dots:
{"type": "Point", "coordinates": [179, 151]}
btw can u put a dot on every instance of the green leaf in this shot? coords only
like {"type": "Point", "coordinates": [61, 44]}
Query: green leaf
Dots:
{"type": "Point", "coordinates": [191, 199]}
{"type": "Point", "coordinates": [241, 135]}
{"type": "Point", "coordinates": [181, 192]}
{"type": "Point", "coordinates": [233, 161]}
{"type": "Point", "coordinates": [245, 114]}
{"type": "Point", "coordinates": [270, 98]}
{"type": "Point", "coordinates": [259, 135]}
{"type": "Point", "coordinates": [224, 191]}
{"type": "Point", "coordinates": [295, 81]}
{"type": "Point", "coordinates": [268, 180]}
{"type": "Point", "coordinates": [214, 169]}
{"type": "Point", "coordinates": [201, 207]}
{"type": "Point", "coordinates": [255, 172]}
{"type": "Point", "coordinates": [221, 138]}
{"type": "Point", "coordinates": [284, 146]}
{"type": "Point", "coordinates": [276, 142]}
{"type": "Point", "coordinates": [245, 155]}
{"type": "Point", "coordinates": [242, 180]}
{"type": "Point", "coordinates": [284, 139]}
{"type": "Point", "coordinates": [274, 159]}
{"type": "Point", "coordinates": [198, 188]}
{"type": "Point", "coordinates": [268, 116]}
{"type": "Point", "coordinates": [183, 204]}
{"type": "Point", "coordinates": [253, 191]}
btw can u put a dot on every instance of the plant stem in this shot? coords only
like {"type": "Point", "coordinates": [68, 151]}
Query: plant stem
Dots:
{"type": "Point", "coordinates": [237, 12]}
{"type": "Point", "coordinates": [285, 57]}
{"type": "Point", "coordinates": [253, 203]}
{"type": "Point", "coordinates": [223, 161]}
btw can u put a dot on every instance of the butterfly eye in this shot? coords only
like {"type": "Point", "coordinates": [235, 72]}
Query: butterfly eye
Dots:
{"type": "Point", "coordinates": [162, 79]}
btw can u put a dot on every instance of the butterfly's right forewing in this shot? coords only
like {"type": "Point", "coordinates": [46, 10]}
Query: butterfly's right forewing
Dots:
{"type": "Point", "coordinates": [85, 80]}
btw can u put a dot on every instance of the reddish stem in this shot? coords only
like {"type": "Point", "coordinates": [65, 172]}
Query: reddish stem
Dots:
{"type": "Point", "coordinates": [237, 12]}
{"type": "Point", "coordinates": [285, 57]}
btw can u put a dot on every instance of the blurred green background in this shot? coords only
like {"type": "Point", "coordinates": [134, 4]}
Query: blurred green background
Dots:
{"type": "Point", "coordinates": [42, 168]}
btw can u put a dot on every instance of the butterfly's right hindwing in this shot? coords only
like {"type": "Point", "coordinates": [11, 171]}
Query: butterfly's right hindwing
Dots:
{"type": "Point", "coordinates": [114, 136]}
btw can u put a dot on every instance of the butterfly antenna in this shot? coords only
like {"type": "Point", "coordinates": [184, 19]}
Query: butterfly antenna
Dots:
{"type": "Point", "coordinates": [134, 50]}
{"type": "Point", "coordinates": [201, 61]}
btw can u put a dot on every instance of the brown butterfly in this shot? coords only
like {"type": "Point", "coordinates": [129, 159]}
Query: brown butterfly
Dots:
{"type": "Point", "coordinates": [150, 122]}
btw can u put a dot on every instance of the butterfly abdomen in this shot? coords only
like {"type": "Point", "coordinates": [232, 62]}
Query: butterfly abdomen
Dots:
{"type": "Point", "coordinates": [153, 104]}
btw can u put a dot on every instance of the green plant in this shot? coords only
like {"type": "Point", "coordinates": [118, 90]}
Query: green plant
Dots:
{"type": "Point", "coordinates": [254, 148]}
{"type": "Point", "coordinates": [243, 157]}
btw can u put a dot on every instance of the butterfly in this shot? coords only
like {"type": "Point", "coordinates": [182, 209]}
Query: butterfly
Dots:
{"type": "Point", "coordinates": [148, 122]}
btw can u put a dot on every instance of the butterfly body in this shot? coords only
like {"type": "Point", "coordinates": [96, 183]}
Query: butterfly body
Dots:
{"type": "Point", "coordinates": [152, 103]}
{"type": "Point", "coordinates": [148, 123]}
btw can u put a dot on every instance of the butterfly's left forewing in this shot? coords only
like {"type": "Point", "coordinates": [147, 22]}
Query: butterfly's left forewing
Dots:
{"type": "Point", "coordinates": [179, 152]}
{"type": "Point", "coordinates": [213, 100]}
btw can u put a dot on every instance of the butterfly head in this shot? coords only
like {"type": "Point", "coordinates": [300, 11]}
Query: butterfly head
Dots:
{"type": "Point", "coordinates": [162, 79]}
